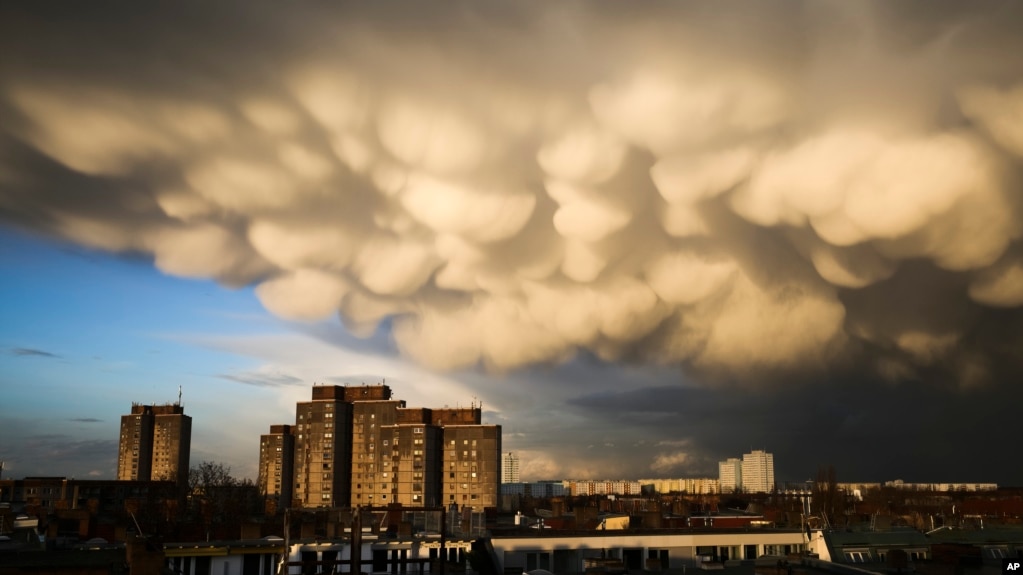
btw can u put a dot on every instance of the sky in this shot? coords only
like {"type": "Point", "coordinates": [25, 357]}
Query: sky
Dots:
{"type": "Point", "coordinates": [646, 237]}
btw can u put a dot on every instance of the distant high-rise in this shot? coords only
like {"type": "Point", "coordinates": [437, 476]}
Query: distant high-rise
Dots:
{"type": "Point", "coordinates": [510, 468]}
{"type": "Point", "coordinates": [155, 443]}
{"type": "Point", "coordinates": [758, 472]}
{"type": "Point", "coordinates": [730, 475]}
{"type": "Point", "coordinates": [276, 465]}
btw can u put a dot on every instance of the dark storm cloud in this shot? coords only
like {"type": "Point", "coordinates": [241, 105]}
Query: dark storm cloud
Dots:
{"type": "Point", "coordinates": [780, 199]}
{"type": "Point", "coordinates": [869, 430]}
{"type": "Point", "coordinates": [35, 454]}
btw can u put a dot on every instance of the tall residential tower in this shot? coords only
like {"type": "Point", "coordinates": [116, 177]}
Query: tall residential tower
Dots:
{"type": "Point", "coordinates": [276, 465]}
{"type": "Point", "coordinates": [154, 444]}
{"type": "Point", "coordinates": [758, 472]}
{"type": "Point", "coordinates": [510, 468]}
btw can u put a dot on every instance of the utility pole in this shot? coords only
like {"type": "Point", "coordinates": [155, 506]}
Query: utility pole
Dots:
{"type": "Point", "coordinates": [357, 541]}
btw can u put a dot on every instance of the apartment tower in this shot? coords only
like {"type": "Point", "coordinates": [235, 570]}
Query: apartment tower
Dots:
{"type": "Point", "coordinates": [758, 472]}
{"type": "Point", "coordinates": [155, 443]}
{"type": "Point", "coordinates": [472, 458]}
{"type": "Point", "coordinates": [416, 455]}
{"type": "Point", "coordinates": [730, 475]}
{"type": "Point", "coordinates": [357, 446]}
{"type": "Point", "coordinates": [276, 466]}
{"type": "Point", "coordinates": [373, 413]}
{"type": "Point", "coordinates": [510, 468]}
{"type": "Point", "coordinates": [323, 449]}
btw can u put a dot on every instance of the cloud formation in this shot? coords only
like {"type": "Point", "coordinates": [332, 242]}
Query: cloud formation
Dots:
{"type": "Point", "coordinates": [751, 193]}
{"type": "Point", "coordinates": [32, 352]}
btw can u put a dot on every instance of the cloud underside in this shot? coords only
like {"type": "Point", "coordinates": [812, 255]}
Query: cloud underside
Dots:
{"type": "Point", "coordinates": [836, 186]}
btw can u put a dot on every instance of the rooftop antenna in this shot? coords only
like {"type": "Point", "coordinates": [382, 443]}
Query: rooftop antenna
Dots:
{"type": "Point", "coordinates": [179, 396]}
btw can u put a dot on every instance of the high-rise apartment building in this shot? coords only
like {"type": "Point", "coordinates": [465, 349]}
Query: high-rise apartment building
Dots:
{"type": "Point", "coordinates": [416, 454]}
{"type": "Point", "coordinates": [472, 458]}
{"type": "Point", "coordinates": [730, 475]}
{"type": "Point", "coordinates": [323, 449]}
{"type": "Point", "coordinates": [276, 465]}
{"type": "Point", "coordinates": [510, 468]}
{"type": "Point", "coordinates": [155, 443]}
{"type": "Point", "coordinates": [758, 472]}
{"type": "Point", "coordinates": [358, 446]}
{"type": "Point", "coordinates": [372, 479]}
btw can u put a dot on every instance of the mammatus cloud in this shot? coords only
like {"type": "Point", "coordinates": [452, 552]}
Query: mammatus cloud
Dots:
{"type": "Point", "coordinates": [752, 193]}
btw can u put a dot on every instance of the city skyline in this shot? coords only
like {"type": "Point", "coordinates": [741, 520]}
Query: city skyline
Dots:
{"type": "Point", "coordinates": [644, 240]}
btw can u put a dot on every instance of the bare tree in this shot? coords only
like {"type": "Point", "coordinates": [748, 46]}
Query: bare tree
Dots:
{"type": "Point", "coordinates": [207, 482]}
{"type": "Point", "coordinates": [207, 475]}
{"type": "Point", "coordinates": [827, 499]}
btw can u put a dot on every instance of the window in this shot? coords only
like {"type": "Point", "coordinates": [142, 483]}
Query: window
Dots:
{"type": "Point", "coordinates": [859, 556]}
{"type": "Point", "coordinates": [992, 552]}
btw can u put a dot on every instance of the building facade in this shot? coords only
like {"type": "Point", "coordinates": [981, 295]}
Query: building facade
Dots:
{"type": "Point", "coordinates": [730, 475]}
{"type": "Point", "coordinates": [472, 458]}
{"type": "Point", "coordinates": [357, 446]}
{"type": "Point", "coordinates": [690, 485]}
{"type": "Point", "coordinates": [323, 449]}
{"type": "Point", "coordinates": [372, 476]}
{"type": "Point", "coordinates": [510, 468]}
{"type": "Point", "coordinates": [415, 455]}
{"type": "Point", "coordinates": [757, 472]}
{"type": "Point", "coordinates": [604, 487]}
{"type": "Point", "coordinates": [154, 444]}
{"type": "Point", "coordinates": [276, 465]}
